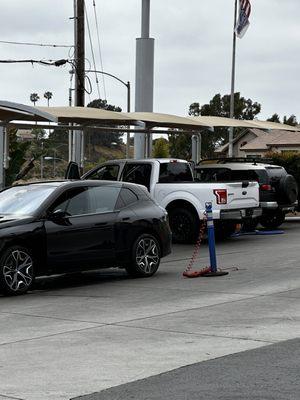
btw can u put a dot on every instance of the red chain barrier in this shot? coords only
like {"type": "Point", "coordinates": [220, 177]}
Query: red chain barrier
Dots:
{"type": "Point", "coordinates": [188, 273]}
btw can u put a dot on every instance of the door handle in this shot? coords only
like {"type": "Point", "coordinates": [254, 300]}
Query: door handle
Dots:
{"type": "Point", "coordinates": [101, 224]}
{"type": "Point", "coordinates": [126, 219]}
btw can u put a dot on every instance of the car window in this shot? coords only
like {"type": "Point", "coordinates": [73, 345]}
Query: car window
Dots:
{"type": "Point", "coordinates": [91, 200]}
{"type": "Point", "coordinates": [127, 197]}
{"type": "Point", "coordinates": [137, 173]}
{"type": "Point", "coordinates": [214, 174]}
{"type": "Point", "coordinates": [175, 172]}
{"type": "Point", "coordinates": [24, 200]}
{"type": "Point", "coordinates": [103, 198]}
{"type": "Point", "coordinates": [73, 202]}
{"type": "Point", "coordinates": [106, 172]}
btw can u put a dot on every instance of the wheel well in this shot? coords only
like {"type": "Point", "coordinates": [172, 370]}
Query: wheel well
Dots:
{"type": "Point", "coordinates": [23, 243]}
{"type": "Point", "coordinates": [182, 204]}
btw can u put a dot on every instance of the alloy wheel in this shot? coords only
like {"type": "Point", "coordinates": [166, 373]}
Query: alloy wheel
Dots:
{"type": "Point", "coordinates": [18, 270]}
{"type": "Point", "coordinates": [147, 255]}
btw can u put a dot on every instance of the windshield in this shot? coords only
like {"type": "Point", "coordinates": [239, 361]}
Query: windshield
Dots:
{"type": "Point", "coordinates": [23, 200]}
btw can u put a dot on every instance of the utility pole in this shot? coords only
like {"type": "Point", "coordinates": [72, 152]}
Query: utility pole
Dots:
{"type": "Point", "coordinates": [79, 73]}
{"type": "Point", "coordinates": [144, 79]}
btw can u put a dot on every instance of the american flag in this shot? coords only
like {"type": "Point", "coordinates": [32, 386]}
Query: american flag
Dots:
{"type": "Point", "coordinates": [243, 20]}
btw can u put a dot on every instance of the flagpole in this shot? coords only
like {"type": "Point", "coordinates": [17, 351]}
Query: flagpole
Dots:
{"type": "Point", "coordinates": [230, 148]}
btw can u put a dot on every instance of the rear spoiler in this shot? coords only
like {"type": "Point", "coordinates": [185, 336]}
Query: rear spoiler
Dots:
{"type": "Point", "coordinates": [72, 171]}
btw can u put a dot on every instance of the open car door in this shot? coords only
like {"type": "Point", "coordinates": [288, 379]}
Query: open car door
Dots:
{"type": "Point", "coordinates": [72, 171]}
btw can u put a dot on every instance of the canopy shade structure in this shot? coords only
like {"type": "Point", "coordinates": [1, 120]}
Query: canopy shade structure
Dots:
{"type": "Point", "coordinates": [88, 115]}
{"type": "Point", "coordinates": [237, 123]}
{"type": "Point", "coordinates": [10, 111]}
{"type": "Point", "coordinates": [169, 121]}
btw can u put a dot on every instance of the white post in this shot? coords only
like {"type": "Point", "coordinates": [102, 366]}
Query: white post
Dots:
{"type": "Point", "coordinates": [144, 76]}
{"type": "Point", "coordinates": [230, 147]}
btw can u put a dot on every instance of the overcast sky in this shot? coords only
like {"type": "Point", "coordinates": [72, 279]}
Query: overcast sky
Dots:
{"type": "Point", "coordinates": [193, 44]}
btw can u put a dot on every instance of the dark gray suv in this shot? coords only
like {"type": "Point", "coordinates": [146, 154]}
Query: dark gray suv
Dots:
{"type": "Point", "coordinates": [278, 190]}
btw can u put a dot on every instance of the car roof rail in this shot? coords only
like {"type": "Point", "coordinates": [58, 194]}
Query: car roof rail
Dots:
{"type": "Point", "coordinates": [225, 160]}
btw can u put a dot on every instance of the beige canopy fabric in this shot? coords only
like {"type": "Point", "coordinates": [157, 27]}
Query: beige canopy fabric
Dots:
{"type": "Point", "coordinates": [83, 115]}
{"type": "Point", "coordinates": [237, 123]}
{"type": "Point", "coordinates": [167, 120]}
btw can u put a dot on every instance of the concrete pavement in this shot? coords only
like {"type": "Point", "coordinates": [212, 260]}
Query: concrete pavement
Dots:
{"type": "Point", "coordinates": [71, 337]}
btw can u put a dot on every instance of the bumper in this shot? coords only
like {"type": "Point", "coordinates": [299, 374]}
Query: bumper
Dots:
{"type": "Point", "coordinates": [238, 215]}
{"type": "Point", "coordinates": [273, 205]}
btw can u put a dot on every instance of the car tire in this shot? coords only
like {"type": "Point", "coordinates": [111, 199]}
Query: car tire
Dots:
{"type": "Point", "coordinates": [184, 225]}
{"type": "Point", "coordinates": [272, 220]}
{"type": "Point", "coordinates": [145, 258]}
{"type": "Point", "coordinates": [16, 270]}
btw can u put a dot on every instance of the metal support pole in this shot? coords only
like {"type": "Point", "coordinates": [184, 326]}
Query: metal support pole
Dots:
{"type": "Point", "coordinates": [230, 147]}
{"type": "Point", "coordinates": [144, 76]}
{"type": "Point", "coordinates": [128, 110]}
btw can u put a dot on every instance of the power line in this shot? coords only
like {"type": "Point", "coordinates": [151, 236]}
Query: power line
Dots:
{"type": "Point", "coordinates": [36, 44]}
{"type": "Point", "coordinates": [99, 47]}
{"type": "Point", "coordinates": [56, 63]}
{"type": "Point", "coordinates": [92, 50]}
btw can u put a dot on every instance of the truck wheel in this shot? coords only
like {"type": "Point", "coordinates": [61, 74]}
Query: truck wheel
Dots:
{"type": "Point", "coordinates": [184, 225]}
{"type": "Point", "coordinates": [272, 220]}
{"type": "Point", "coordinates": [16, 271]}
{"type": "Point", "coordinates": [145, 257]}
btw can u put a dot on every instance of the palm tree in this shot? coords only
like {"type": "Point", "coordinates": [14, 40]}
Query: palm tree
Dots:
{"type": "Point", "coordinates": [34, 97]}
{"type": "Point", "coordinates": [48, 96]}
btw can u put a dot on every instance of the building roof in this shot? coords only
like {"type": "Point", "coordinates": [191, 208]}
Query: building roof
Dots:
{"type": "Point", "coordinates": [256, 132]}
{"type": "Point", "coordinates": [272, 139]}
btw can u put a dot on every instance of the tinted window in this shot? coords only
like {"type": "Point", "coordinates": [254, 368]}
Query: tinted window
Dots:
{"type": "Point", "coordinates": [226, 175]}
{"type": "Point", "coordinates": [103, 198]}
{"type": "Point", "coordinates": [93, 200]}
{"type": "Point", "coordinates": [128, 197]}
{"type": "Point", "coordinates": [137, 173]}
{"type": "Point", "coordinates": [214, 175]}
{"type": "Point", "coordinates": [107, 173]}
{"type": "Point", "coordinates": [175, 172]}
{"type": "Point", "coordinates": [275, 173]}
{"type": "Point", "coordinates": [24, 200]}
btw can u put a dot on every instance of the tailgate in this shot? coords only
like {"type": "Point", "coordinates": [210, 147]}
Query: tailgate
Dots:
{"type": "Point", "coordinates": [242, 195]}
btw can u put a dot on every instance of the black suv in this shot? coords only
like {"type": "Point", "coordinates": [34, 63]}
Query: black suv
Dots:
{"type": "Point", "coordinates": [278, 191]}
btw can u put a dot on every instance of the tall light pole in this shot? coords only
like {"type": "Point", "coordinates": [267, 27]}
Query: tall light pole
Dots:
{"type": "Point", "coordinates": [144, 75]}
{"type": "Point", "coordinates": [128, 100]}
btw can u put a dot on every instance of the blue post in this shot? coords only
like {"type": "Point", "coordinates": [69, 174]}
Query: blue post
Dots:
{"type": "Point", "coordinates": [211, 237]}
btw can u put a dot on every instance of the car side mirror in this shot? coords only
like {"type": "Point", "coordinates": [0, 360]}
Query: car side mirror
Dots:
{"type": "Point", "coordinates": [57, 215]}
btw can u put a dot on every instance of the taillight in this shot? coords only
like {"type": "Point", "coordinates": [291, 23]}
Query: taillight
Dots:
{"type": "Point", "coordinates": [265, 187]}
{"type": "Point", "coordinates": [221, 195]}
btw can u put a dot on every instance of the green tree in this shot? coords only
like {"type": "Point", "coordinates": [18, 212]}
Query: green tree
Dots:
{"type": "Point", "coordinates": [160, 148]}
{"type": "Point", "coordinates": [274, 118]}
{"type": "Point", "coordinates": [218, 106]}
{"type": "Point", "coordinates": [34, 97]}
{"type": "Point", "coordinates": [17, 155]}
{"type": "Point", "coordinates": [48, 96]}
{"type": "Point", "coordinates": [292, 120]}
{"type": "Point", "coordinates": [96, 138]}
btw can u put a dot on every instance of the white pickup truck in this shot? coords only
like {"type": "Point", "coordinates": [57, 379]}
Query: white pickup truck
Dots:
{"type": "Point", "coordinates": [171, 183]}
